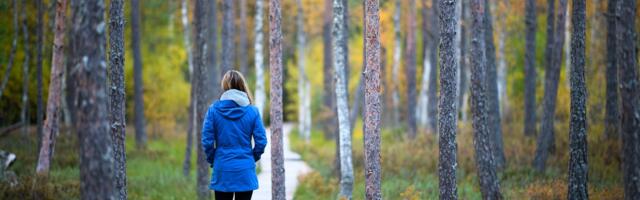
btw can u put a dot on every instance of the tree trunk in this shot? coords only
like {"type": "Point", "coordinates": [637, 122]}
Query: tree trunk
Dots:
{"type": "Point", "coordinates": [39, 35]}
{"type": "Point", "coordinates": [186, 167]}
{"type": "Point", "coordinates": [502, 59]}
{"type": "Point", "coordinates": [432, 106]}
{"type": "Point", "coordinates": [329, 107]}
{"type": "Point", "coordinates": [138, 92]}
{"type": "Point", "coordinates": [395, 67]}
{"type": "Point", "coordinates": [200, 53]}
{"type": "Point", "coordinates": [410, 69]}
{"type": "Point", "coordinates": [210, 88]}
{"type": "Point", "coordinates": [51, 124]}
{"type": "Point", "coordinates": [567, 49]}
{"type": "Point", "coordinates": [464, 61]}
{"type": "Point", "coordinates": [461, 43]}
{"type": "Point", "coordinates": [372, 101]}
{"type": "Point", "coordinates": [423, 100]}
{"type": "Point", "coordinates": [242, 43]}
{"type": "Point", "coordinates": [531, 22]}
{"type": "Point", "coordinates": [546, 139]}
{"type": "Point", "coordinates": [630, 95]}
{"type": "Point", "coordinates": [275, 65]}
{"type": "Point", "coordinates": [259, 57]}
{"type": "Point", "coordinates": [117, 94]}
{"type": "Point", "coordinates": [92, 124]}
{"type": "Point", "coordinates": [304, 110]}
{"type": "Point", "coordinates": [24, 114]}
{"type": "Point", "coordinates": [12, 52]}
{"type": "Point", "coordinates": [578, 166]}
{"type": "Point", "coordinates": [228, 35]}
{"type": "Point", "coordinates": [489, 183]}
{"type": "Point", "coordinates": [448, 98]}
{"type": "Point", "coordinates": [493, 104]}
{"type": "Point", "coordinates": [612, 119]}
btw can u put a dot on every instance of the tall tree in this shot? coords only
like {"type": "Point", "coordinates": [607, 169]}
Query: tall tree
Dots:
{"type": "Point", "coordinates": [493, 104]}
{"type": "Point", "coordinates": [410, 68]}
{"type": "Point", "coordinates": [372, 103]}
{"type": "Point", "coordinates": [228, 35]}
{"type": "Point", "coordinates": [184, 10]}
{"type": "Point", "coordinates": [201, 60]}
{"type": "Point", "coordinates": [51, 124]}
{"type": "Point", "coordinates": [432, 106]}
{"type": "Point", "coordinates": [578, 166]}
{"type": "Point", "coordinates": [117, 96]}
{"type": "Point", "coordinates": [503, 102]}
{"type": "Point", "coordinates": [423, 99]}
{"type": "Point", "coordinates": [92, 124]}
{"type": "Point", "coordinates": [24, 114]}
{"type": "Point", "coordinates": [259, 57]}
{"type": "Point", "coordinates": [275, 66]}
{"type": "Point", "coordinates": [448, 98]}
{"type": "Point", "coordinates": [630, 95]}
{"type": "Point", "coordinates": [531, 22]}
{"type": "Point", "coordinates": [139, 120]}
{"type": "Point", "coordinates": [242, 43]}
{"type": "Point", "coordinates": [14, 46]}
{"type": "Point", "coordinates": [395, 66]}
{"type": "Point", "coordinates": [304, 93]}
{"type": "Point", "coordinates": [545, 142]}
{"type": "Point", "coordinates": [211, 82]}
{"type": "Point", "coordinates": [463, 88]}
{"type": "Point", "coordinates": [612, 119]}
{"type": "Point", "coordinates": [489, 185]}
{"type": "Point", "coordinates": [39, 49]}
{"type": "Point", "coordinates": [329, 105]}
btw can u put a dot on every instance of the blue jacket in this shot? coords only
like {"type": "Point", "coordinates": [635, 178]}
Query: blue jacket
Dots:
{"type": "Point", "coordinates": [229, 126]}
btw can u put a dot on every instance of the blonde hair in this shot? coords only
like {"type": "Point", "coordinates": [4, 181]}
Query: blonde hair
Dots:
{"type": "Point", "coordinates": [235, 80]}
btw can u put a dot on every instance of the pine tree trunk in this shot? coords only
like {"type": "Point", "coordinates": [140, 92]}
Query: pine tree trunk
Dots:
{"type": "Point", "coordinates": [138, 92]}
{"type": "Point", "coordinates": [242, 43]}
{"type": "Point", "coordinates": [228, 35]}
{"type": "Point", "coordinates": [329, 106]}
{"type": "Point", "coordinates": [612, 119]}
{"type": "Point", "coordinates": [493, 104]}
{"type": "Point", "coordinates": [485, 164]}
{"type": "Point", "coordinates": [630, 96]}
{"type": "Point", "coordinates": [51, 124]}
{"type": "Point", "coordinates": [39, 35]}
{"type": "Point", "coordinates": [201, 60]}
{"type": "Point", "coordinates": [372, 101]}
{"type": "Point", "coordinates": [578, 166]}
{"type": "Point", "coordinates": [395, 67]}
{"type": "Point", "coordinates": [410, 69]}
{"type": "Point", "coordinates": [259, 57]}
{"type": "Point", "coordinates": [92, 124]}
{"type": "Point", "coordinates": [448, 98]}
{"type": "Point", "coordinates": [275, 65]}
{"type": "Point", "coordinates": [117, 96]}
{"type": "Point", "coordinates": [545, 143]}
{"type": "Point", "coordinates": [531, 23]}
{"type": "Point", "coordinates": [186, 167]}
{"type": "Point", "coordinates": [24, 114]}
{"type": "Point", "coordinates": [432, 106]}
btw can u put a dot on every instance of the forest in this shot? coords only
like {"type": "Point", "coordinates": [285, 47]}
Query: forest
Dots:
{"type": "Point", "coordinates": [371, 99]}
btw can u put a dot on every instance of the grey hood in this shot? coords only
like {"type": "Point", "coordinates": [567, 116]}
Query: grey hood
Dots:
{"type": "Point", "coordinates": [237, 96]}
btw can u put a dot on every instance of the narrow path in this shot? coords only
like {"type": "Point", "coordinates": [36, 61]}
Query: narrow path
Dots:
{"type": "Point", "coordinates": [293, 166]}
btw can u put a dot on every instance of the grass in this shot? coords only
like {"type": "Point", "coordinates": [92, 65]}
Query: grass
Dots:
{"type": "Point", "coordinates": [409, 167]}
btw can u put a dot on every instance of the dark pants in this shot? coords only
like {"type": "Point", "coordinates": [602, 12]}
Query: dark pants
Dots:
{"type": "Point", "coordinates": [229, 195]}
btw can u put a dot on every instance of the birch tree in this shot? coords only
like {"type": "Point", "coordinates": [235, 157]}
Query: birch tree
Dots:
{"type": "Point", "coordinates": [259, 57]}
{"type": "Point", "coordinates": [372, 100]}
{"type": "Point", "coordinates": [275, 66]}
{"type": "Point", "coordinates": [531, 23]}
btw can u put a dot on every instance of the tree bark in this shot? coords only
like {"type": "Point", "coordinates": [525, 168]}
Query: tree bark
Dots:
{"type": "Point", "coordinates": [51, 124]}
{"type": "Point", "coordinates": [372, 100]}
{"type": "Point", "coordinates": [138, 92]}
{"type": "Point", "coordinates": [493, 104]}
{"type": "Point", "coordinates": [612, 123]}
{"type": "Point", "coordinates": [329, 106]}
{"type": "Point", "coordinates": [578, 167]}
{"type": "Point", "coordinates": [242, 43]}
{"type": "Point", "coordinates": [228, 35]}
{"type": "Point", "coordinates": [24, 114]}
{"type": "Point", "coordinates": [485, 164]}
{"type": "Point", "coordinates": [259, 57]}
{"type": "Point", "coordinates": [531, 22]}
{"type": "Point", "coordinates": [186, 166]}
{"type": "Point", "coordinates": [410, 69]}
{"type": "Point", "coordinates": [432, 106]}
{"type": "Point", "coordinates": [117, 94]}
{"type": "Point", "coordinates": [200, 53]}
{"type": "Point", "coordinates": [275, 65]}
{"type": "Point", "coordinates": [92, 124]}
{"type": "Point", "coordinates": [630, 95]}
{"type": "Point", "coordinates": [448, 97]}
{"type": "Point", "coordinates": [12, 52]}
{"type": "Point", "coordinates": [39, 46]}
{"type": "Point", "coordinates": [545, 142]}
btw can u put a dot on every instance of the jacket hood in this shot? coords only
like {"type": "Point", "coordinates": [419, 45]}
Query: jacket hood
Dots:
{"type": "Point", "coordinates": [232, 104]}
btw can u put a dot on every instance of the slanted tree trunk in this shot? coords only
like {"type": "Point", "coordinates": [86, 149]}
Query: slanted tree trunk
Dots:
{"type": "Point", "coordinates": [201, 60]}
{"type": "Point", "coordinates": [92, 124]}
{"type": "Point", "coordinates": [630, 95]}
{"type": "Point", "coordinates": [612, 119]}
{"type": "Point", "coordinates": [242, 43]}
{"type": "Point", "coordinates": [117, 96]}
{"type": "Point", "coordinates": [395, 66]}
{"type": "Point", "coordinates": [489, 183]}
{"type": "Point", "coordinates": [531, 23]}
{"type": "Point", "coordinates": [39, 35]}
{"type": "Point", "coordinates": [372, 107]}
{"type": "Point", "coordinates": [51, 124]}
{"type": "Point", "coordinates": [410, 69]}
{"type": "Point", "coordinates": [329, 106]}
{"type": "Point", "coordinates": [138, 92]}
{"type": "Point", "coordinates": [14, 46]}
{"type": "Point", "coordinates": [228, 35]}
{"type": "Point", "coordinates": [24, 114]}
{"type": "Point", "coordinates": [184, 10]}
{"type": "Point", "coordinates": [545, 142]}
{"type": "Point", "coordinates": [339, 63]}
{"type": "Point", "coordinates": [275, 65]}
{"type": "Point", "coordinates": [259, 57]}
{"type": "Point", "coordinates": [578, 166]}
{"type": "Point", "coordinates": [432, 106]}
{"type": "Point", "coordinates": [493, 104]}
{"type": "Point", "coordinates": [304, 110]}
{"type": "Point", "coordinates": [448, 97]}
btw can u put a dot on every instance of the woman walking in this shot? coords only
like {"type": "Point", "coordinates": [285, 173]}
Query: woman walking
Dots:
{"type": "Point", "coordinates": [229, 126]}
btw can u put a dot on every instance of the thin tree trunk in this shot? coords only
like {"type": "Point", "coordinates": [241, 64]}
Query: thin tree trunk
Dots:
{"type": "Point", "coordinates": [578, 166]}
{"type": "Point", "coordinates": [630, 96]}
{"type": "Point", "coordinates": [275, 65]}
{"type": "Point", "coordinates": [410, 69]}
{"type": "Point", "coordinates": [432, 106]}
{"type": "Point", "coordinates": [210, 87]}
{"type": "Point", "coordinates": [24, 114]}
{"type": "Point", "coordinates": [372, 101]}
{"type": "Point", "coordinates": [489, 183]}
{"type": "Point", "coordinates": [502, 59]}
{"type": "Point", "coordinates": [186, 167]}
{"type": "Point", "coordinates": [464, 61]}
{"type": "Point", "coordinates": [39, 46]}
{"type": "Point", "coordinates": [329, 106]}
{"type": "Point", "coordinates": [304, 112]}
{"type": "Point", "coordinates": [423, 100]}
{"type": "Point", "coordinates": [546, 139]}
{"type": "Point", "coordinates": [531, 23]}
{"type": "Point", "coordinates": [259, 57]}
{"type": "Point", "coordinates": [138, 92]}
{"type": "Point", "coordinates": [448, 98]}
{"type": "Point", "coordinates": [51, 124]}
{"type": "Point", "coordinates": [493, 104]}
{"type": "Point", "coordinates": [117, 94]}
{"type": "Point", "coordinates": [12, 52]}
{"type": "Point", "coordinates": [201, 60]}
{"type": "Point", "coordinates": [612, 119]}
{"type": "Point", "coordinates": [228, 35]}
{"type": "Point", "coordinates": [397, 51]}
{"type": "Point", "coordinates": [92, 124]}
{"type": "Point", "coordinates": [242, 43]}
